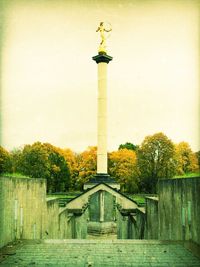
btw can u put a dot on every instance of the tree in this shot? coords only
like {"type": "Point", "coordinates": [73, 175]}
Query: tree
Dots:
{"type": "Point", "coordinates": [5, 160]}
{"type": "Point", "coordinates": [186, 160]}
{"type": "Point", "coordinates": [16, 155]}
{"type": "Point", "coordinates": [87, 165]}
{"type": "Point", "coordinates": [59, 171]}
{"type": "Point", "coordinates": [198, 158]}
{"type": "Point", "coordinates": [72, 161]}
{"type": "Point", "coordinates": [44, 161]}
{"type": "Point", "coordinates": [156, 160]}
{"type": "Point", "coordinates": [128, 145]}
{"type": "Point", "coordinates": [122, 166]}
{"type": "Point", "coordinates": [33, 161]}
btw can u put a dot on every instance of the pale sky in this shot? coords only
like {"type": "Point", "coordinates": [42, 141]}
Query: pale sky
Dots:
{"type": "Point", "coordinates": [49, 80]}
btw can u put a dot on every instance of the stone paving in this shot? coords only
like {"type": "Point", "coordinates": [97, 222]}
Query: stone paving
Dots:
{"type": "Point", "coordinates": [100, 253]}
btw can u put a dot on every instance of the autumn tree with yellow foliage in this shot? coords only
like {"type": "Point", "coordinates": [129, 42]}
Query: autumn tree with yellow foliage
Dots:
{"type": "Point", "coordinates": [186, 160]}
{"type": "Point", "coordinates": [198, 159]}
{"type": "Point", "coordinates": [87, 166]}
{"type": "Point", "coordinates": [72, 161]}
{"type": "Point", "coordinates": [136, 168]}
{"type": "Point", "coordinates": [122, 167]}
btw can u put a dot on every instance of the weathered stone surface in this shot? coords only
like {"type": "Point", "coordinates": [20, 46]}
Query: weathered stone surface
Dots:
{"type": "Point", "coordinates": [22, 208]}
{"type": "Point", "coordinates": [101, 178]}
{"type": "Point", "coordinates": [179, 209]}
{"type": "Point", "coordinates": [152, 217]}
{"type": "Point", "coordinates": [98, 228]}
{"type": "Point", "coordinates": [122, 226]}
{"type": "Point", "coordinates": [51, 224]}
{"type": "Point", "coordinates": [140, 224]}
{"type": "Point", "coordinates": [94, 207]}
{"type": "Point", "coordinates": [78, 202]}
{"type": "Point", "coordinates": [25, 214]}
{"type": "Point", "coordinates": [97, 253]}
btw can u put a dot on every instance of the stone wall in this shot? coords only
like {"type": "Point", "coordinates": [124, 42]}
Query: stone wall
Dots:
{"type": "Point", "coordinates": [140, 231]}
{"type": "Point", "coordinates": [52, 219]}
{"type": "Point", "coordinates": [122, 225]}
{"type": "Point", "coordinates": [179, 209]}
{"type": "Point", "coordinates": [25, 213]}
{"type": "Point", "coordinates": [102, 213]}
{"type": "Point", "coordinates": [66, 225]}
{"type": "Point", "coordinates": [80, 226]}
{"type": "Point", "coordinates": [101, 207]}
{"type": "Point", "coordinates": [131, 226]}
{"type": "Point", "coordinates": [22, 209]}
{"type": "Point", "coordinates": [152, 217]}
{"type": "Point", "coordinates": [174, 215]}
{"type": "Point", "coordinates": [94, 207]}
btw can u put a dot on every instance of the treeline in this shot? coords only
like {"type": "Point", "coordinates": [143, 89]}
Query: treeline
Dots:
{"type": "Point", "coordinates": [136, 167]}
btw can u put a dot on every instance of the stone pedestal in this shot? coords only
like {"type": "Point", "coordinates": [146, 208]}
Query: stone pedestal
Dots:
{"type": "Point", "coordinates": [101, 178]}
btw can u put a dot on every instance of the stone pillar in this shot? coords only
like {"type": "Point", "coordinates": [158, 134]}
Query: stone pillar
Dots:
{"type": "Point", "coordinates": [102, 60]}
{"type": "Point", "coordinates": [101, 206]}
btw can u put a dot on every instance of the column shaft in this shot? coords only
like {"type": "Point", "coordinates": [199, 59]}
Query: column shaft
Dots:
{"type": "Point", "coordinates": [102, 119]}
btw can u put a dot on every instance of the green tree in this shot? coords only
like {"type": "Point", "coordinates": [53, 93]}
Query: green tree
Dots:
{"type": "Point", "coordinates": [42, 160]}
{"type": "Point", "coordinates": [155, 160]}
{"type": "Point", "coordinates": [128, 145]}
{"type": "Point", "coordinates": [16, 155]}
{"type": "Point", "coordinates": [5, 160]}
{"type": "Point", "coordinates": [122, 167]}
{"type": "Point", "coordinates": [33, 161]}
{"type": "Point", "coordinates": [58, 168]}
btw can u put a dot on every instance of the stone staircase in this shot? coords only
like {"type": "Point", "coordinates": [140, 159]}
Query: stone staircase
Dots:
{"type": "Point", "coordinates": [100, 253]}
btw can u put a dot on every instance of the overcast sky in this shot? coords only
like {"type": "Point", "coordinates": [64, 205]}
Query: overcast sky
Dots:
{"type": "Point", "coordinates": [49, 80]}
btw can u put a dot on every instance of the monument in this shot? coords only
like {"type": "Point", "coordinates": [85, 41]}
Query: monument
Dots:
{"type": "Point", "coordinates": [102, 59]}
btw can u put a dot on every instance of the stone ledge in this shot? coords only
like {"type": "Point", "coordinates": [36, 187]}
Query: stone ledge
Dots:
{"type": "Point", "coordinates": [153, 198]}
{"type": "Point", "coordinates": [117, 241]}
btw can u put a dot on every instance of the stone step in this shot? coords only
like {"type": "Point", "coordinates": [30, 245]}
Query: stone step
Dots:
{"type": "Point", "coordinates": [102, 236]}
{"type": "Point", "coordinates": [99, 253]}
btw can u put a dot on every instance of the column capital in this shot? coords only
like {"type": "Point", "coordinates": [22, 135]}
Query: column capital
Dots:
{"type": "Point", "coordinates": [102, 58]}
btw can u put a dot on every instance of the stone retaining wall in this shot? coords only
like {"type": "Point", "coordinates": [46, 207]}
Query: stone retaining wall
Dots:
{"type": "Point", "coordinates": [140, 224]}
{"type": "Point", "coordinates": [25, 213]}
{"type": "Point", "coordinates": [22, 209]}
{"type": "Point", "coordinates": [122, 225]}
{"type": "Point", "coordinates": [179, 209]}
{"type": "Point", "coordinates": [52, 219]}
{"type": "Point", "coordinates": [152, 217]}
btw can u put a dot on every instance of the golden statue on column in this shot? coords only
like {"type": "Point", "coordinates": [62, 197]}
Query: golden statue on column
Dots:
{"type": "Point", "coordinates": [102, 29]}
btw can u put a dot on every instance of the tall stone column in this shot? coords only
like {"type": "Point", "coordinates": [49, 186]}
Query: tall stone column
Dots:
{"type": "Point", "coordinates": [102, 60]}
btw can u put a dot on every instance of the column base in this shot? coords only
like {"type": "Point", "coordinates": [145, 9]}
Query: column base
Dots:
{"type": "Point", "coordinates": [101, 178]}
